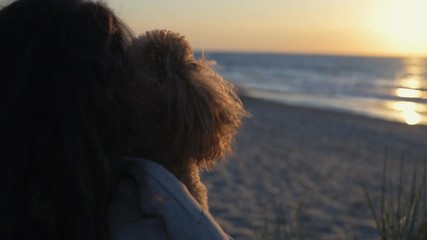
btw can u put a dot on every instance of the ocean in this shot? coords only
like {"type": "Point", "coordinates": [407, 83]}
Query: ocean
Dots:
{"type": "Point", "coordinates": [393, 89]}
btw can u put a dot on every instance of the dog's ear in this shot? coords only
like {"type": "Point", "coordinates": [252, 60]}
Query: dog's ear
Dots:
{"type": "Point", "coordinates": [161, 52]}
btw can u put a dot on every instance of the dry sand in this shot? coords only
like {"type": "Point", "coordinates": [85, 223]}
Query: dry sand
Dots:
{"type": "Point", "coordinates": [285, 156]}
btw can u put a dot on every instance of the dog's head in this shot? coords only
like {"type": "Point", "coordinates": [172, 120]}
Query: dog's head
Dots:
{"type": "Point", "coordinates": [191, 113]}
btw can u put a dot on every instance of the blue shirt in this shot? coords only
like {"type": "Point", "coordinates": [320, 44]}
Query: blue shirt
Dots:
{"type": "Point", "coordinates": [153, 204]}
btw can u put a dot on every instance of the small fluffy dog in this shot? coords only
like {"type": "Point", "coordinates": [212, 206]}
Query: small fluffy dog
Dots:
{"type": "Point", "coordinates": [190, 114]}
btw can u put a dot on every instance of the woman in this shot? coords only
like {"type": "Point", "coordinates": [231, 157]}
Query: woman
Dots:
{"type": "Point", "coordinates": [65, 117]}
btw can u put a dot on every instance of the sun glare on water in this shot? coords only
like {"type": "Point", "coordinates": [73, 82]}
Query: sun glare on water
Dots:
{"type": "Point", "coordinates": [410, 84]}
{"type": "Point", "coordinates": [408, 111]}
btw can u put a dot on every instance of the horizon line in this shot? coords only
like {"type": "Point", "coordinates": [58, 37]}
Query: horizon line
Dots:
{"type": "Point", "coordinates": [303, 53]}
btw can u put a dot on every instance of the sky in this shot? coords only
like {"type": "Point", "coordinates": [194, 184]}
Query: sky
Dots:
{"type": "Point", "coordinates": [345, 27]}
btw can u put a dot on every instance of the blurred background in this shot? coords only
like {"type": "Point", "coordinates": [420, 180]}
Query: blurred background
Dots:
{"type": "Point", "coordinates": [364, 57]}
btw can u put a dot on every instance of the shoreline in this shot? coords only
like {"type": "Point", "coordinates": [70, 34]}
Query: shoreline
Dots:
{"type": "Point", "coordinates": [390, 110]}
{"type": "Point", "coordinates": [285, 155]}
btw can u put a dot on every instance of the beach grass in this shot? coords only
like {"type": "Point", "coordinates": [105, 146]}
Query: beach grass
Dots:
{"type": "Point", "coordinates": [401, 216]}
{"type": "Point", "coordinates": [398, 216]}
{"type": "Point", "coordinates": [283, 227]}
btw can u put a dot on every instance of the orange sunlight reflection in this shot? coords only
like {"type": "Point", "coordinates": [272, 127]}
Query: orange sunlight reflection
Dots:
{"type": "Point", "coordinates": [411, 81]}
{"type": "Point", "coordinates": [409, 111]}
{"type": "Point", "coordinates": [408, 93]}
{"type": "Point", "coordinates": [409, 87]}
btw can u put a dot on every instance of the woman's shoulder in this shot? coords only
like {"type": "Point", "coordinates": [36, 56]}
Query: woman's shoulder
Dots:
{"type": "Point", "coordinates": [154, 201]}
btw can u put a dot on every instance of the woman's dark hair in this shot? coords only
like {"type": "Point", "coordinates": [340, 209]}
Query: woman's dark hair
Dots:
{"type": "Point", "coordinates": [64, 117]}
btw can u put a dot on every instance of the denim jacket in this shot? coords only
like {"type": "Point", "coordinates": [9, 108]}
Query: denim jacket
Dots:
{"type": "Point", "coordinates": [160, 208]}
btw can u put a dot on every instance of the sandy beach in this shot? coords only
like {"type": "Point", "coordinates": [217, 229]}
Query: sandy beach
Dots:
{"type": "Point", "coordinates": [289, 156]}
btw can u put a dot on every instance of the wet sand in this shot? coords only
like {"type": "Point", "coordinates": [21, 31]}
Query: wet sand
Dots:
{"type": "Point", "coordinates": [286, 157]}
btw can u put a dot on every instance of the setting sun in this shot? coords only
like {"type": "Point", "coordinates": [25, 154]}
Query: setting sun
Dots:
{"type": "Point", "coordinates": [363, 27]}
{"type": "Point", "coordinates": [404, 23]}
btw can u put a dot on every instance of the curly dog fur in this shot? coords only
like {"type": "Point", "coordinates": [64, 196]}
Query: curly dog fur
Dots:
{"type": "Point", "coordinates": [191, 114]}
